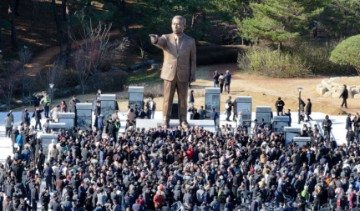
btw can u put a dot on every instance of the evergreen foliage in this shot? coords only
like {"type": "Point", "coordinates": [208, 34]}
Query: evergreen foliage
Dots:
{"type": "Point", "coordinates": [348, 52]}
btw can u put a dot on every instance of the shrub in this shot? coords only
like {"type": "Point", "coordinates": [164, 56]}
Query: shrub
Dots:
{"type": "Point", "coordinates": [69, 78]}
{"type": "Point", "coordinates": [108, 81]}
{"type": "Point", "coordinates": [316, 56]}
{"type": "Point", "coordinates": [154, 90]}
{"type": "Point", "coordinates": [273, 63]}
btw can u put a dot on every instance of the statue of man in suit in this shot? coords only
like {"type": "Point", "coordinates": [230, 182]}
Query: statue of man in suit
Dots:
{"type": "Point", "coordinates": [178, 69]}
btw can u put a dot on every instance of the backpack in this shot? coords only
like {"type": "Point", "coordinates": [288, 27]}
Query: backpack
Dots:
{"type": "Point", "coordinates": [117, 124]}
{"type": "Point", "coordinates": [221, 196]}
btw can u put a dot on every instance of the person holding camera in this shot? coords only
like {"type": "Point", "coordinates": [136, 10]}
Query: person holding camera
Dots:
{"type": "Point", "coordinates": [326, 125]}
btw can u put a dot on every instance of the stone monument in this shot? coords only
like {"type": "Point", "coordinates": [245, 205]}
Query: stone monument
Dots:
{"type": "Point", "coordinates": [46, 139]}
{"type": "Point", "coordinates": [108, 104]}
{"type": "Point", "coordinates": [279, 122]}
{"type": "Point", "coordinates": [136, 96]}
{"type": "Point", "coordinates": [244, 104]}
{"type": "Point", "coordinates": [291, 133]}
{"type": "Point", "coordinates": [212, 100]}
{"type": "Point", "coordinates": [68, 118]}
{"type": "Point", "coordinates": [264, 112]}
{"type": "Point", "coordinates": [84, 115]}
{"type": "Point", "coordinates": [301, 141]}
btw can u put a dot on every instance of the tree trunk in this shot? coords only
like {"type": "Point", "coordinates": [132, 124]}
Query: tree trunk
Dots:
{"type": "Point", "coordinates": [66, 20]}
{"type": "Point", "coordinates": [63, 10]}
{"type": "Point", "coordinates": [193, 21]}
{"type": "Point", "coordinates": [1, 44]}
{"type": "Point", "coordinates": [16, 7]}
{"type": "Point", "coordinates": [59, 28]}
{"type": "Point", "coordinates": [358, 70]}
{"type": "Point", "coordinates": [279, 47]}
{"type": "Point", "coordinates": [13, 28]}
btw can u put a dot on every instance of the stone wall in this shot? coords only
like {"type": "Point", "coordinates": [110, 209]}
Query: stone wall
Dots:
{"type": "Point", "coordinates": [329, 87]}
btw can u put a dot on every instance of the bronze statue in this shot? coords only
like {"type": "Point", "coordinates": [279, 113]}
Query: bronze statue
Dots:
{"type": "Point", "coordinates": [178, 69]}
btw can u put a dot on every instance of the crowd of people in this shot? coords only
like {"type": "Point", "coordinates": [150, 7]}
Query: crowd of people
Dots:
{"type": "Point", "coordinates": [195, 169]}
{"type": "Point", "coordinates": [222, 80]}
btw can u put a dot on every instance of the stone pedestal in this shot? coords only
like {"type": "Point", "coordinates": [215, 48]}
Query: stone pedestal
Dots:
{"type": "Point", "coordinates": [212, 100]}
{"type": "Point", "coordinates": [244, 104]}
{"type": "Point", "coordinates": [84, 115]}
{"type": "Point", "coordinates": [46, 139]}
{"type": "Point", "coordinates": [108, 104]}
{"type": "Point", "coordinates": [57, 127]}
{"type": "Point", "coordinates": [264, 112]}
{"type": "Point", "coordinates": [291, 133]}
{"type": "Point", "coordinates": [301, 141]}
{"type": "Point", "coordinates": [67, 118]}
{"type": "Point", "coordinates": [156, 123]}
{"type": "Point", "coordinates": [279, 122]}
{"type": "Point", "coordinates": [136, 96]}
{"type": "Point", "coordinates": [175, 110]}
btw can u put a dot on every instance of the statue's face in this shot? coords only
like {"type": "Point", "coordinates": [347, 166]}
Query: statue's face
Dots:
{"type": "Point", "coordinates": [177, 26]}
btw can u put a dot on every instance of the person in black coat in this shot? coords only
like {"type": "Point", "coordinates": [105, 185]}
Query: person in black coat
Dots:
{"type": "Point", "coordinates": [25, 117]}
{"type": "Point", "coordinates": [45, 199]}
{"type": "Point", "coordinates": [279, 104]}
{"type": "Point", "coordinates": [48, 174]}
{"type": "Point", "coordinates": [216, 75]}
{"type": "Point", "coordinates": [344, 95]}
{"type": "Point", "coordinates": [37, 116]}
{"type": "Point", "coordinates": [308, 108]}
{"type": "Point", "coordinates": [348, 123]}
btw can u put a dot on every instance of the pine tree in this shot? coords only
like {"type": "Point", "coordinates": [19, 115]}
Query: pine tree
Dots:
{"type": "Point", "coordinates": [279, 21]}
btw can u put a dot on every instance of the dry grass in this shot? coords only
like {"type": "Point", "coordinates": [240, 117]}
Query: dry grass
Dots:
{"type": "Point", "coordinates": [264, 91]}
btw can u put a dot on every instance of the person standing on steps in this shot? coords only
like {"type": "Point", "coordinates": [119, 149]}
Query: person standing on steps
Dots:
{"type": "Point", "coordinates": [308, 108]}
{"type": "Point", "coordinates": [8, 125]}
{"type": "Point", "coordinates": [344, 95]}
{"type": "Point", "coordinates": [227, 81]}
{"type": "Point", "coordinates": [178, 69]}
{"type": "Point", "coordinates": [279, 104]}
{"type": "Point", "coordinates": [214, 115]}
{"type": "Point", "coordinates": [191, 99]}
{"type": "Point", "coordinates": [25, 117]}
{"type": "Point", "coordinates": [216, 78]}
{"type": "Point", "coordinates": [45, 101]}
{"type": "Point", "coordinates": [228, 107]}
{"type": "Point", "coordinates": [221, 82]}
{"type": "Point", "coordinates": [72, 104]}
{"type": "Point", "coordinates": [348, 122]}
{"type": "Point", "coordinates": [37, 116]}
{"type": "Point", "coordinates": [288, 113]}
{"type": "Point", "coordinates": [302, 109]}
{"type": "Point", "coordinates": [327, 126]}
{"type": "Point", "coordinates": [151, 107]}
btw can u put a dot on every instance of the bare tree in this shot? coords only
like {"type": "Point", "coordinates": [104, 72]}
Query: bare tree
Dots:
{"type": "Point", "coordinates": [25, 57]}
{"type": "Point", "coordinates": [9, 80]}
{"type": "Point", "coordinates": [94, 48]}
{"type": "Point", "coordinates": [14, 42]}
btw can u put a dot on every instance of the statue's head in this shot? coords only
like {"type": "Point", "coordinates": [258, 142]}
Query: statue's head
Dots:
{"type": "Point", "coordinates": [178, 24]}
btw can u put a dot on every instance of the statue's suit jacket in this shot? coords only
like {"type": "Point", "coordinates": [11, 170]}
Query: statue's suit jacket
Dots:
{"type": "Point", "coordinates": [179, 60]}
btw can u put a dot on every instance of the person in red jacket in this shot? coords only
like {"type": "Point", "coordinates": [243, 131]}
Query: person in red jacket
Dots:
{"type": "Point", "coordinates": [159, 198]}
{"type": "Point", "coordinates": [190, 152]}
